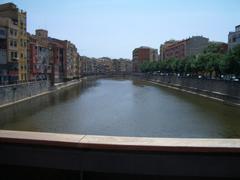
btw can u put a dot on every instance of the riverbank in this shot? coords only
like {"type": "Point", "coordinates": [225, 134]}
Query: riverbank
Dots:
{"type": "Point", "coordinates": [221, 91]}
{"type": "Point", "coordinates": [17, 93]}
{"type": "Point", "coordinates": [26, 91]}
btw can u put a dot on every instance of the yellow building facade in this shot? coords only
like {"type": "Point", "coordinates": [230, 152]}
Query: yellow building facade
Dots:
{"type": "Point", "coordinates": [22, 46]}
{"type": "Point", "coordinates": [17, 48]}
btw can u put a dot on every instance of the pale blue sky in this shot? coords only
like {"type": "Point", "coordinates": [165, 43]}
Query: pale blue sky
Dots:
{"type": "Point", "coordinates": [115, 27]}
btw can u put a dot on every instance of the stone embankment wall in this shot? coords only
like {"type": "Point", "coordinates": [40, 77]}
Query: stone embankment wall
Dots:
{"type": "Point", "coordinates": [226, 91]}
{"type": "Point", "coordinates": [16, 92]}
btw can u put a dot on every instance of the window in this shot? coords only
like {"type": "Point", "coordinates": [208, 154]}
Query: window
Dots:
{"type": "Point", "coordinates": [15, 22]}
{"type": "Point", "coordinates": [2, 32]}
{"type": "Point", "coordinates": [11, 43]}
{"type": "Point", "coordinates": [11, 31]}
{"type": "Point", "coordinates": [15, 43]}
{"type": "Point", "coordinates": [238, 40]}
{"type": "Point", "coordinates": [12, 55]}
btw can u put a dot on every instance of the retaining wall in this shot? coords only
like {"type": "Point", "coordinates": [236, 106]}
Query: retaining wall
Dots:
{"type": "Point", "coordinates": [16, 92]}
{"type": "Point", "coordinates": [227, 91]}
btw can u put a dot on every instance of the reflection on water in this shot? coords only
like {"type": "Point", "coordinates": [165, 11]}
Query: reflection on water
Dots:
{"type": "Point", "coordinates": [124, 107]}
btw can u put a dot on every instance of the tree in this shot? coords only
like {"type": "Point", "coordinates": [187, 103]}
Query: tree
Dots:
{"type": "Point", "coordinates": [230, 63]}
{"type": "Point", "coordinates": [236, 52]}
{"type": "Point", "coordinates": [181, 66]}
{"type": "Point", "coordinates": [144, 67]}
{"type": "Point", "coordinates": [162, 66]}
{"type": "Point", "coordinates": [201, 64]}
{"type": "Point", "coordinates": [220, 48]}
{"type": "Point", "coordinates": [212, 61]}
{"type": "Point", "coordinates": [188, 65]}
{"type": "Point", "coordinates": [149, 66]}
{"type": "Point", "coordinates": [172, 65]}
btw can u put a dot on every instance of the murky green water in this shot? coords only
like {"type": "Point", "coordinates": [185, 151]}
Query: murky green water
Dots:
{"type": "Point", "coordinates": [124, 107]}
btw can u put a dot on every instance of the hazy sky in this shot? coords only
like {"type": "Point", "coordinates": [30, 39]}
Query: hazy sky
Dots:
{"type": "Point", "coordinates": [115, 27]}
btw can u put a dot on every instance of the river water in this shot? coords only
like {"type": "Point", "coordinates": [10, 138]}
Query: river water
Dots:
{"type": "Point", "coordinates": [124, 107]}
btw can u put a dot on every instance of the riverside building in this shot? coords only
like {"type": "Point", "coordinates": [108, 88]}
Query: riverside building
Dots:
{"type": "Point", "coordinates": [13, 44]}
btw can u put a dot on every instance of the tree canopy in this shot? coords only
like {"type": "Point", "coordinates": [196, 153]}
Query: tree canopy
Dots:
{"type": "Point", "coordinates": [211, 62]}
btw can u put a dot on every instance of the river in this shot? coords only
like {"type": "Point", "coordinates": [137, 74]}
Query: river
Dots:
{"type": "Point", "coordinates": [124, 107]}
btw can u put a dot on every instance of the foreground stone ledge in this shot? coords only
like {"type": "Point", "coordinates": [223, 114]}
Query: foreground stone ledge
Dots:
{"type": "Point", "coordinates": [116, 143]}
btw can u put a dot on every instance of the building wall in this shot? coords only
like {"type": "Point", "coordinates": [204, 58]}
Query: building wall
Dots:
{"type": "Point", "coordinates": [234, 38]}
{"type": "Point", "coordinates": [71, 58]}
{"type": "Point", "coordinates": [9, 50]}
{"type": "Point", "coordinates": [177, 50]}
{"type": "Point", "coordinates": [153, 55]}
{"type": "Point", "coordinates": [3, 62]}
{"type": "Point", "coordinates": [17, 42]}
{"type": "Point", "coordinates": [125, 66]}
{"type": "Point", "coordinates": [22, 45]}
{"type": "Point", "coordinates": [143, 54]}
{"type": "Point", "coordinates": [196, 45]}
{"type": "Point", "coordinates": [90, 66]}
{"type": "Point", "coordinates": [57, 60]}
{"type": "Point", "coordinates": [43, 58]}
{"type": "Point", "coordinates": [163, 47]}
{"type": "Point", "coordinates": [75, 63]}
{"type": "Point", "coordinates": [3, 45]}
{"type": "Point", "coordinates": [9, 10]}
{"type": "Point", "coordinates": [185, 48]}
{"type": "Point", "coordinates": [32, 58]}
{"type": "Point", "coordinates": [39, 56]}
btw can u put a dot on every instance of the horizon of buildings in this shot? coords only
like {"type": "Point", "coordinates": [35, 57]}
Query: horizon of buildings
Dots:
{"type": "Point", "coordinates": [180, 49]}
{"type": "Point", "coordinates": [25, 56]}
{"type": "Point", "coordinates": [30, 57]}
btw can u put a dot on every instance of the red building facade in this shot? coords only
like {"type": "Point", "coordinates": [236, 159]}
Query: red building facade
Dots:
{"type": "Point", "coordinates": [32, 57]}
{"type": "Point", "coordinates": [177, 50]}
{"type": "Point", "coordinates": [57, 60]}
{"type": "Point", "coordinates": [143, 54]}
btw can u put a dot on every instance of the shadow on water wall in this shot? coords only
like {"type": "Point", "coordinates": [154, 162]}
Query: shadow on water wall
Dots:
{"type": "Point", "coordinates": [226, 115]}
{"type": "Point", "coordinates": [32, 106]}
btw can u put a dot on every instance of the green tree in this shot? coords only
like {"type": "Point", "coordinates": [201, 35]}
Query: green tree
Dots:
{"type": "Point", "coordinates": [144, 67]}
{"type": "Point", "coordinates": [181, 66]}
{"type": "Point", "coordinates": [162, 66]}
{"type": "Point", "coordinates": [215, 48]}
{"type": "Point", "coordinates": [230, 63]}
{"type": "Point", "coordinates": [209, 63]}
{"type": "Point", "coordinates": [188, 66]}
